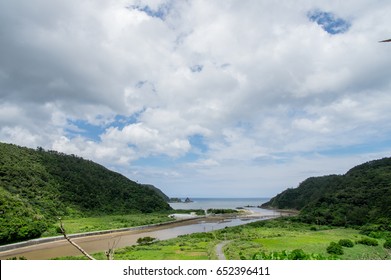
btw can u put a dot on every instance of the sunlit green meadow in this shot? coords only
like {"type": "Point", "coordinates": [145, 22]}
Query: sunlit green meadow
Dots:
{"type": "Point", "coordinates": [245, 242]}
{"type": "Point", "coordinates": [107, 222]}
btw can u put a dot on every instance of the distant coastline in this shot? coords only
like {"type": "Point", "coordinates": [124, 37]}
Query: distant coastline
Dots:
{"type": "Point", "coordinates": [179, 200]}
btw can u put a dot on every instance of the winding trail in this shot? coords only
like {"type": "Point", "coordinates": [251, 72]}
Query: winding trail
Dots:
{"type": "Point", "coordinates": [219, 250]}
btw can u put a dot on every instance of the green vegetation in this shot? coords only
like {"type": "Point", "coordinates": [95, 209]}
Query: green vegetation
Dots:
{"type": "Point", "coordinates": [196, 246]}
{"type": "Point", "coordinates": [222, 211]}
{"type": "Point", "coordinates": [37, 186]}
{"type": "Point", "coordinates": [360, 197]}
{"type": "Point", "coordinates": [368, 241]}
{"type": "Point", "coordinates": [283, 238]}
{"type": "Point", "coordinates": [346, 243]}
{"type": "Point", "coordinates": [275, 238]}
{"type": "Point", "coordinates": [145, 240]}
{"type": "Point", "coordinates": [297, 254]}
{"type": "Point", "coordinates": [334, 249]}
{"type": "Point", "coordinates": [198, 212]}
{"type": "Point", "coordinates": [387, 244]}
{"type": "Point", "coordinates": [106, 222]}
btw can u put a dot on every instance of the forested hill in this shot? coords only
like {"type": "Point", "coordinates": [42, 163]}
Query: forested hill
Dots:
{"type": "Point", "coordinates": [362, 195]}
{"type": "Point", "coordinates": [37, 186]}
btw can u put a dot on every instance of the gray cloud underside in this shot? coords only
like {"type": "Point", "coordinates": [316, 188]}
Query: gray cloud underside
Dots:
{"type": "Point", "coordinates": [260, 83]}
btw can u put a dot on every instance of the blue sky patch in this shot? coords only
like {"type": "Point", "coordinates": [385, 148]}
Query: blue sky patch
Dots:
{"type": "Point", "coordinates": [161, 12]}
{"type": "Point", "coordinates": [197, 141]}
{"type": "Point", "coordinates": [85, 129]}
{"type": "Point", "coordinates": [121, 121]}
{"type": "Point", "coordinates": [196, 68]}
{"type": "Point", "coordinates": [329, 22]}
{"type": "Point", "coordinates": [91, 131]}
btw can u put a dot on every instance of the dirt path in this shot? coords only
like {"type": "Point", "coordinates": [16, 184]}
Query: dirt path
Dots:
{"type": "Point", "coordinates": [219, 250]}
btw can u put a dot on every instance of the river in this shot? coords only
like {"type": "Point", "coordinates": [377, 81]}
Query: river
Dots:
{"type": "Point", "coordinates": [100, 243]}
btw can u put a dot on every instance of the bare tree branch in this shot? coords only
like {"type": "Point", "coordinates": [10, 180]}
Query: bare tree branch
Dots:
{"type": "Point", "coordinates": [110, 252]}
{"type": "Point", "coordinates": [73, 243]}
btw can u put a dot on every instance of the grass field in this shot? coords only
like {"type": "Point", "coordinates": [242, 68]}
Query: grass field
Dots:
{"type": "Point", "coordinates": [107, 222]}
{"type": "Point", "coordinates": [274, 236]}
{"type": "Point", "coordinates": [78, 225]}
{"type": "Point", "coordinates": [278, 239]}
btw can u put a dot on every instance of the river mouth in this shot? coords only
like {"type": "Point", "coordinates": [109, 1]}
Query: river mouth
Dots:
{"type": "Point", "coordinates": [101, 243]}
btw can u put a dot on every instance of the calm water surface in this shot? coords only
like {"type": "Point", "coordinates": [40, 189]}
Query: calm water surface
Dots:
{"type": "Point", "coordinates": [224, 203]}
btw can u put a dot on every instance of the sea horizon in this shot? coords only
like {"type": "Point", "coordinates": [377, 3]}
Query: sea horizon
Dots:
{"type": "Point", "coordinates": [219, 203]}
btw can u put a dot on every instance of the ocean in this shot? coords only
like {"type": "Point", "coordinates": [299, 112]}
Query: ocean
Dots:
{"type": "Point", "coordinates": [224, 203]}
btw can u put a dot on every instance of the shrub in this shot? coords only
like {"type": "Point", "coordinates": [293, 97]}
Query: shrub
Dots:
{"type": "Point", "coordinates": [368, 241]}
{"type": "Point", "coordinates": [346, 243]}
{"type": "Point", "coordinates": [387, 244]}
{"type": "Point", "coordinates": [145, 240]}
{"type": "Point", "coordinates": [334, 249]}
{"type": "Point", "coordinates": [298, 254]}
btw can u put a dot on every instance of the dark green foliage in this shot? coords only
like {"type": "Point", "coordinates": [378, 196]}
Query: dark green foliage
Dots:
{"type": "Point", "coordinates": [297, 254]}
{"type": "Point", "coordinates": [202, 235]}
{"type": "Point", "coordinates": [158, 191]}
{"type": "Point", "coordinates": [222, 211]}
{"type": "Point", "coordinates": [387, 244]}
{"type": "Point", "coordinates": [382, 230]}
{"type": "Point", "coordinates": [198, 212]}
{"type": "Point", "coordinates": [145, 240]}
{"type": "Point", "coordinates": [346, 243]}
{"type": "Point", "coordinates": [368, 241]}
{"type": "Point", "coordinates": [361, 196]}
{"type": "Point", "coordinates": [311, 189]}
{"type": "Point", "coordinates": [18, 258]}
{"type": "Point", "coordinates": [37, 186]}
{"type": "Point", "coordinates": [334, 249]}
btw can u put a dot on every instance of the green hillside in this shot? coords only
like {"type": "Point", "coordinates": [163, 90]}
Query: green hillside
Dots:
{"type": "Point", "coordinates": [361, 196]}
{"type": "Point", "coordinates": [37, 186]}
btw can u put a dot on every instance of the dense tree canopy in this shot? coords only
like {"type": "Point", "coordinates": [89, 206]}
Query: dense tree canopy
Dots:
{"type": "Point", "coordinates": [37, 186]}
{"type": "Point", "coordinates": [361, 196]}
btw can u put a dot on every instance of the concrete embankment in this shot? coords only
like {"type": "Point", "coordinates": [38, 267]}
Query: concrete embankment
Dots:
{"type": "Point", "coordinates": [31, 242]}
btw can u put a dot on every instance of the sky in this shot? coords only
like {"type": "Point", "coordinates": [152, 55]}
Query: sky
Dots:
{"type": "Point", "coordinates": [200, 98]}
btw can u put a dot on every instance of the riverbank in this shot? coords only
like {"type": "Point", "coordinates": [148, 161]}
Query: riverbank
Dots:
{"type": "Point", "coordinates": [275, 239]}
{"type": "Point", "coordinates": [37, 241]}
{"type": "Point", "coordinates": [179, 219]}
{"type": "Point", "coordinates": [100, 241]}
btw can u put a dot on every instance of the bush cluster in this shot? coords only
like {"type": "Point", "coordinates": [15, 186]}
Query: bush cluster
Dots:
{"type": "Point", "coordinates": [346, 243]}
{"type": "Point", "coordinates": [368, 241]}
{"type": "Point", "coordinates": [334, 249]}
